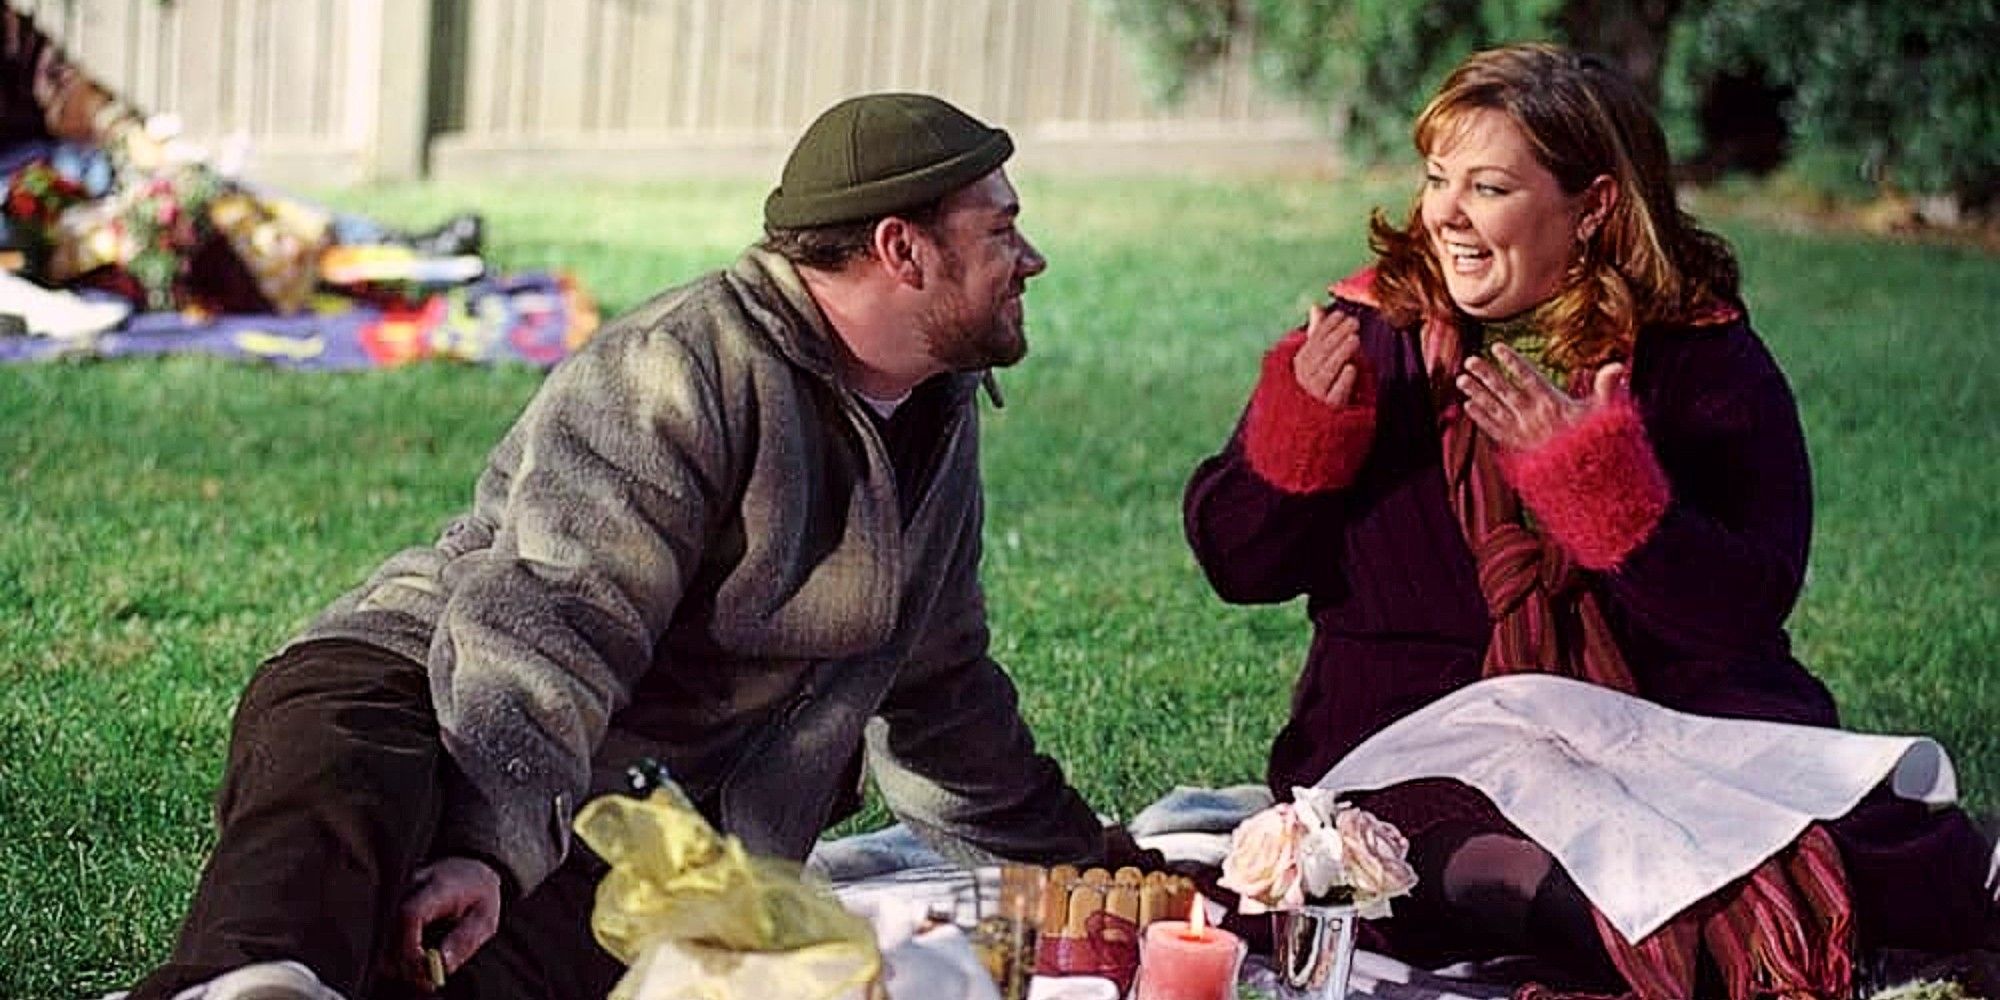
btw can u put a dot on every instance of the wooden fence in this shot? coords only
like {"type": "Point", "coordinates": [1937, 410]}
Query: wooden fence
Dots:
{"type": "Point", "coordinates": [335, 91]}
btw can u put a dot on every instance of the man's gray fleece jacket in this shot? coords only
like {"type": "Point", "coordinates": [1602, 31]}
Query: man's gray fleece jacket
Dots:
{"type": "Point", "coordinates": [690, 547]}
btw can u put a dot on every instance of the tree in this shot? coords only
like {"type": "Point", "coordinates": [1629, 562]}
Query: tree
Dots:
{"type": "Point", "coordinates": [1368, 65]}
{"type": "Point", "coordinates": [1635, 34]}
{"type": "Point", "coordinates": [1890, 93]}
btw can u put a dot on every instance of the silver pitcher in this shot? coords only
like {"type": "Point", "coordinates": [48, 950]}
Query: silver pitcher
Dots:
{"type": "Point", "coordinates": [1314, 950]}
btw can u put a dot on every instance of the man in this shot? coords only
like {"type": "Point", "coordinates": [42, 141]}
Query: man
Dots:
{"type": "Point", "coordinates": [738, 533]}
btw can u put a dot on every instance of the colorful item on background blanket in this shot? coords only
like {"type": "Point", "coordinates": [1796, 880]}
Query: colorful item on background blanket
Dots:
{"type": "Point", "coordinates": [184, 237]}
{"type": "Point", "coordinates": [533, 318]}
{"type": "Point", "coordinates": [277, 240]}
{"type": "Point", "coordinates": [385, 262]}
{"type": "Point", "coordinates": [37, 192]}
{"type": "Point", "coordinates": [145, 233]}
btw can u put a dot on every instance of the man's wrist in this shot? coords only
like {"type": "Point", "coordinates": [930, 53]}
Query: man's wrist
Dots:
{"type": "Point", "coordinates": [509, 892]}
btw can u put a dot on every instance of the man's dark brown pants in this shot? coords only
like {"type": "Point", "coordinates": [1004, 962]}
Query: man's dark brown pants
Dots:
{"type": "Point", "coordinates": [330, 801]}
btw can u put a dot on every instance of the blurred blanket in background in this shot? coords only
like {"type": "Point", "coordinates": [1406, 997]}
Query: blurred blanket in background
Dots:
{"type": "Point", "coordinates": [107, 256]}
{"type": "Point", "coordinates": [535, 318]}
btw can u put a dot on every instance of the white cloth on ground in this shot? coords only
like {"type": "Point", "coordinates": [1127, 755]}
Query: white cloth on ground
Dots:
{"type": "Point", "coordinates": [63, 315]}
{"type": "Point", "coordinates": [936, 964]}
{"type": "Point", "coordinates": [1648, 809]}
{"type": "Point", "coordinates": [1193, 824]}
{"type": "Point", "coordinates": [893, 848]}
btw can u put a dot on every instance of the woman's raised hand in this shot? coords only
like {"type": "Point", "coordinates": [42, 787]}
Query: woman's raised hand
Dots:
{"type": "Point", "coordinates": [1325, 365]}
{"type": "Point", "coordinates": [1520, 409]}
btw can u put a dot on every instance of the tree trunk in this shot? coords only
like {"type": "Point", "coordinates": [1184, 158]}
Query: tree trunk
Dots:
{"type": "Point", "coordinates": [1631, 33]}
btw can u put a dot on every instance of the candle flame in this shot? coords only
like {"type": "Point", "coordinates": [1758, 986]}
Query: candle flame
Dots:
{"type": "Point", "coordinates": [1197, 918]}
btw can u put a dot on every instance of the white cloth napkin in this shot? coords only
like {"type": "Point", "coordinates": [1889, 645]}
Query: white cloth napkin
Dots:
{"type": "Point", "coordinates": [922, 960]}
{"type": "Point", "coordinates": [1648, 809]}
{"type": "Point", "coordinates": [936, 964]}
{"type": "Point", "coordinates": [1072, 988]}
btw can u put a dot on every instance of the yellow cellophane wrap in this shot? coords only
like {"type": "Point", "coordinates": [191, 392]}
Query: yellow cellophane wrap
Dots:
{"type": "Point", "coordinates": [696, 917]}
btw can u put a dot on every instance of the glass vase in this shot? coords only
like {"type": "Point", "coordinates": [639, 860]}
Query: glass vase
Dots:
{"type": "Point", "coordinates": [1313, 951]}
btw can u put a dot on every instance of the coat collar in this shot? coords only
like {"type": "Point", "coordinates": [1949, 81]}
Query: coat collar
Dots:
{"type": "Point", "coordinates": [775, 294]}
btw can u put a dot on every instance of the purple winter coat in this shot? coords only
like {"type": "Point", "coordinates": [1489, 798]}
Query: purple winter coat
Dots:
{"type": "Point", "coordinates": [1697, 607]}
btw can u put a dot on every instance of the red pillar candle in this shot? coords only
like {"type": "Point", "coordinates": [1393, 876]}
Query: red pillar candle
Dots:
{"type": "Point", "coordinates": [1188, 960]}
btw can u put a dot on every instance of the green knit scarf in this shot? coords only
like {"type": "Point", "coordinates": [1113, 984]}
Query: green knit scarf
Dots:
{"type": "Point", "coordinates": [1521, 333]}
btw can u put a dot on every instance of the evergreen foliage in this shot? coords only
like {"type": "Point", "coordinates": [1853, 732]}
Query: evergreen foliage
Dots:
{"type": "Point", "coordinates": [1904, 96]}
{"type": "Point", "coordinates": [1366, 66]}
{"type": "Point", "coordinates": [1881, 92]}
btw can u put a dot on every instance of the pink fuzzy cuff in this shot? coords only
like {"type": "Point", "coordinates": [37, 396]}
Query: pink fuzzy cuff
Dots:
{"type": "Point", "coordinates": [1300, 444]}
{"type": "Point", "coordinates": [1596, 488]}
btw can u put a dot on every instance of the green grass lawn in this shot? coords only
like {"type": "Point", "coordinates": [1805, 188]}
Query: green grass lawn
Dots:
{"type": "Point", "coordinates": [169, 522]}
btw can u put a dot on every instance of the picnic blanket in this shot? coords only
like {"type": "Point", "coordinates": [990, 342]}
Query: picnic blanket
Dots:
{"type": "Point", "coordinates": [1647, 808]}
{"type": "Point", "coordinates": [893, 870]}
{"type": "Point", "coordinates": [534, 317]}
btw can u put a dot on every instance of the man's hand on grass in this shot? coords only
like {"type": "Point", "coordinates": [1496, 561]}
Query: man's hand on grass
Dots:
{"type": "Point", "coordinates": [458, 898]}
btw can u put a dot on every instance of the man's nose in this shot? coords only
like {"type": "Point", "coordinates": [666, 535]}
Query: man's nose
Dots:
{"type": "Point", "coordinates": [1032, 261]}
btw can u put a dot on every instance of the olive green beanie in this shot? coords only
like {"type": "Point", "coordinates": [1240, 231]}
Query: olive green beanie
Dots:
{"type": "Point", "coordinates": [879, 154]}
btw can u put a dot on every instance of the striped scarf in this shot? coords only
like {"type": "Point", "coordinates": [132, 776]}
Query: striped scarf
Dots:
{"type": "Point", "coordinates": [1546, 615]}
{"type": "Point", "coordinates": [1786, 929]}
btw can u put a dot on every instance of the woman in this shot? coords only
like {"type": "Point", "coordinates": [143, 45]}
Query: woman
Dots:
{"type": "Point", "coordinates": [1539, 434]}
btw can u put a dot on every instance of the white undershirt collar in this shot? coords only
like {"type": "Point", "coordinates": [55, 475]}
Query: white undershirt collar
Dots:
{"type": "Point", "coordinates": [884, 408]}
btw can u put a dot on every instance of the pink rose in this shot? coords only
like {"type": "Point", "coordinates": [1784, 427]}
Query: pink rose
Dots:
{"type": "Point", "coordinates": [1374, 858]}
{"type": "Point", "coordinates": [1262, 866]}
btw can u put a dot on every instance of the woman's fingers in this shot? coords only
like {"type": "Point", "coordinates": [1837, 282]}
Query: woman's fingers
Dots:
{"type": "Point", "coordinates": [470, 933]}
{"type": "Point", "coordinates": [1315, 319]}
{"type": "Point", "coordinates": [1496, 421]}
{"type": "Point", "coordinates": [1517, 369]}
{"type": "Point", "coordinates": [1325, 364]}
{"type": "Point", "coordinates": [1520, 408]}
{"type": "Point", "coordinates": [1512, 378]}
{"type": "Point", "coordinates": [1343, 386]}
{"type": "Point", "coordinates": [1484, 386]}
{"type": "Point", "coordinates": [1482, 376]}
{"type": "Point", "coordinates": [1512, 402]}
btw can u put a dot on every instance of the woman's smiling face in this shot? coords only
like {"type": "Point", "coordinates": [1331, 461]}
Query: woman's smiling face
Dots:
{"type": "Point", "coordinates": [1500, 224]}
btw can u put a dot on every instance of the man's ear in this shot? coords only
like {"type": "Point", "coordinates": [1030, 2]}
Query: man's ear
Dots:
{"type": "Point", "coordinates": [899, 249]}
